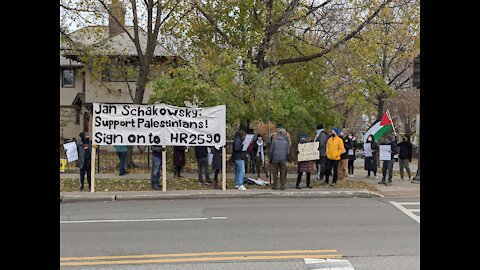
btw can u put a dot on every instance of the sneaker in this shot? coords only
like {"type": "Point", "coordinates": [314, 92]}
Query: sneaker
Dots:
{"type": "Point", "coordinates": [236, 186]}
{"type": "Point", "coordinates": [309, 186]}
{"type": "Point", "coordinates": [242, 188]}
{"type": "Point", "coordinates": [351, 175]}
{"type": "Point", "coordinates": [401, 178]}
{"type": "Point", "coordinates": [368, 176]}
{"type": "Point", "coordinates": [389, 183]}
{"type": "Point", "coordinates": [333, 184]}
{"type": "Point", "coordinates": [297, 187]}
{"type": "Point", "coordinates": [382, 182]}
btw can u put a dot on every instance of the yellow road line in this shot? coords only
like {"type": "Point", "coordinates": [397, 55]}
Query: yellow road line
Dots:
{"type": "Point", "coordinates": [198, 254]}
{"type": "Point", "coordinates": [205, 259]}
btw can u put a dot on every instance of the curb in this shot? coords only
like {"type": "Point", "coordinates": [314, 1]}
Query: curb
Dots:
{"type": "Point", "coordinates": [65, 198]}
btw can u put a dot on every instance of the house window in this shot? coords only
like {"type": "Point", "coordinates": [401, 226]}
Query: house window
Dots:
{"type": "Point", "coordinates": [68, 77]}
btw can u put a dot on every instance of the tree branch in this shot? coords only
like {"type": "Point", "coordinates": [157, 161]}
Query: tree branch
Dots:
{"type": "Point", "coordinates": [332, 47]}
{"type": "Point", "coordinates": [213, 23]}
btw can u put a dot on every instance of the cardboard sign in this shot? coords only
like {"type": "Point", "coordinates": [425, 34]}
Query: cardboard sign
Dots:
{"type": "Point", "coordinates": [308, 151]}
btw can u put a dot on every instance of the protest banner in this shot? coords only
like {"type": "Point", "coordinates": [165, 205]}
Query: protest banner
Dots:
{"type": "Point", "coordinates": [158, 124]}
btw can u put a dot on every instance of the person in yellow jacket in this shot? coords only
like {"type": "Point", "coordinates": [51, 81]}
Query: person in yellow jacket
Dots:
{"type": "Point", "coordinates": [335, 148]}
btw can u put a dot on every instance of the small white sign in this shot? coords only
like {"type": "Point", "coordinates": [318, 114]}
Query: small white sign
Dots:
{"type": "Point", "coordinates": [385, 152]}
{"type": "Point", "coordinates": [247, 141]}
{"type": "Point", "coordinates": [71, 151]}
{"type": "Point", "coordinates": [367, 148]}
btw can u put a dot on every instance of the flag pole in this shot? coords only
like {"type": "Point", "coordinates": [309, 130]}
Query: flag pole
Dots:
{"type": "Point", "coordinates": [390, 117]}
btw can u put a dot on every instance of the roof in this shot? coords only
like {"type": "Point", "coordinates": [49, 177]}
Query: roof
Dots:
{"type": "Point", "coordinates": [64, 62]}
{"type": "Point", "coordinates": [120, 44]}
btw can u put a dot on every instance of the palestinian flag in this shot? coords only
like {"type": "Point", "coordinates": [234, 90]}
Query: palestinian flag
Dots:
{"type": "Point", "coordinates": [379, 128]}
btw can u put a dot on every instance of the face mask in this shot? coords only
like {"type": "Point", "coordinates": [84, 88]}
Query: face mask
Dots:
{"type": "Point", "coordinates": [369, 139]}
{"type": "Point", "coordinates": [350, 137]}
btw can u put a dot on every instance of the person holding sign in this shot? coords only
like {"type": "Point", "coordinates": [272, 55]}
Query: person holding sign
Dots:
{"type": "Point", "coordinates": [178, 160]}
{"type": "Point", "coordinates": [387, 151]}
{"type": "Point", "coordinates": [371, 150]}
{"type": "Point", "coordinates": [156, 166]}
{"type": "Point", "coordinates": [304, 166]}
{"type": "Point", "coordinates": [122, 151]}
{"type": "Point", "coordinates": [335, 148]}
{"type": "Point", "coordinates": [351, 154]}
{"type": "Point", "coordinates": [84, 161]}
{"type": "Point", "coordinates": [201, 154]}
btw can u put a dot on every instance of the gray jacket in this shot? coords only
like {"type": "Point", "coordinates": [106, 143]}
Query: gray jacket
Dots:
{"type": "Point", "coordinates": [322, 142]}
{"type": "Point", "coordinates": [280, 150]}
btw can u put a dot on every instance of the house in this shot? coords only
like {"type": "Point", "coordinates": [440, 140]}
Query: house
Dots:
{"type": "Point", "coordinates": [112, 79]}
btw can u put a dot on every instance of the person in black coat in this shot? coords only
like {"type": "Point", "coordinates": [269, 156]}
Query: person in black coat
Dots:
{"type": "Point", "coordinates": [371, 162]}
{"type": "Point", "coordinates": [201, 154]}
{"type": "Point", "coordinates": [216, 164]}
{"type": "Point", "coordinates": [405, 156]}
{"type": "Point", "coordinates": [350, 147]}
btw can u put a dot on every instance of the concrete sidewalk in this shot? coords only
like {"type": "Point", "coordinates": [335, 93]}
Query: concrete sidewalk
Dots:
{"type": "Point", "coordinates": [399, 188]}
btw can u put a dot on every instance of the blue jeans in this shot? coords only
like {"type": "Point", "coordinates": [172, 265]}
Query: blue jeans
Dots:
{"type": "Point", "coordinates": [123, 157]}
{"type": "Point", "coordinates": [239, 172]}
{"type": "Point", "coordinates": [156, 166]}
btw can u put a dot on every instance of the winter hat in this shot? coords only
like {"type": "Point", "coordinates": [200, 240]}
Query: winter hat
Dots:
{"type": "Point", "coordinates": [336, 130]}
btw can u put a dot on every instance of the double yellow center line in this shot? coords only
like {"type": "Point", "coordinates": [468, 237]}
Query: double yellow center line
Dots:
{"type": "Point", "coordinates": [201, 257]}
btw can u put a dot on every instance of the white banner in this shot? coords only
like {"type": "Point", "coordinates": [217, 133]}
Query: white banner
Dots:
{"type": "Point", "coordinates": [159, 124]}
{"type": "Point", "coordinates": [308, 151]}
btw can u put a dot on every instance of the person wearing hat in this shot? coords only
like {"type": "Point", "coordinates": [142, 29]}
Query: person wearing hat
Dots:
{"type": "Point", "coordinates": [84, 161]}
{"type": "Point", "coordinates": [335, 148]}
{"type": "Point", "coordinates": [259, 149]}
{"type": "Point", "coordinates": [304, 166]}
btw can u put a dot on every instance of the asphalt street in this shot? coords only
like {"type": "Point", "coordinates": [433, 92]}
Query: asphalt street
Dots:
{"type": "Point", "coordinates": [263, 233]}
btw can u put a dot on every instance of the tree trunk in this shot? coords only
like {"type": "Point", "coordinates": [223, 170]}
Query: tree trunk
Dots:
{"type": "Point", "coordinates": [141, 83]}
{"type": "Point", "coordinates": [380, 105]}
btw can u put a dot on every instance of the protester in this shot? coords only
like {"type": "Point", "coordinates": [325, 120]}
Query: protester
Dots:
{"type": "Point", "coordinates": [122, 151]}
{"type": "Point", "coordinates": [334, 149]}
{"type": "Point", "coordinates": [371, 162]}
{"type": "Point", "coordinates": [304, 166]}
{"type": "Point", "coordinates": [201, 154]}
{"type": "Point", "coordinates": [387, 166]}
{"type": "Point", "coordinates": [178, 160]}
{"type": "Point", "coordinates": [351, 154]}
{"type": "Point", "coordinates": [321, 138]}
{"type": "Point", "coordinates": [238, 155]}
{"type": "Point", "coordinates": [259, 150]}
{"type": "Point", "coordinates": [405, 156]}
{"type": "Point", "coordinates": [156, 166]}
{"type": "Point", "coordinates": [216, 165]}
{"type": "Point", "coordinates": [279, 155]}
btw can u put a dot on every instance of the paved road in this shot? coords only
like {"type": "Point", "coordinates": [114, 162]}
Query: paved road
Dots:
{"type": "Point", "coordinates": [259, 234]}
